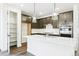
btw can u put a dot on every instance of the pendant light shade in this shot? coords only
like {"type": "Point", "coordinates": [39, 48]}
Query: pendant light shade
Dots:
{"type": "Point", "coordinates": [55, 14]}
{"type": "Point", "coordinates": [34, 18]}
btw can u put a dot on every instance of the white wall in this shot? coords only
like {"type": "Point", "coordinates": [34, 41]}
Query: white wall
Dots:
{"type": "Point", "coordinates": [75, 21]}
{"type": "Point", "coordinates": [3, 28]}
{"type": "Point", "coordinates": [76, 24]}
{"type": "Point", "coordinates": [0, 27]}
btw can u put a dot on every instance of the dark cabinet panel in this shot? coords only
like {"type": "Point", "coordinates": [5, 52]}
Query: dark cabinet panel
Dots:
{"type": "Point", "coordinates": [41, 23]}
{"type": "Point", "coordinates": [55, 24]}
{"type": "Point", "coordinates": [66, 18]}
{"type": "Point", "coordinates": [35, 25]}
{"type": "Point", "coordinates": [61, 19]}
{"type": "Point", "coordinates": [26, 19]}
{"type": "Point", "coordinates": [47, 21]}
{"type": "Point", "coordinates": [69, 17]}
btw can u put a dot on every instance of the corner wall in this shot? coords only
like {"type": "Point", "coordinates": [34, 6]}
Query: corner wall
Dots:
{"type": "Point", "coordinates": [3, 28]}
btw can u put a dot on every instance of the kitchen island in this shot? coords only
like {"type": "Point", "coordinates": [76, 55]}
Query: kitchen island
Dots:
{"type": "Point", "coordinates": [42, 45]}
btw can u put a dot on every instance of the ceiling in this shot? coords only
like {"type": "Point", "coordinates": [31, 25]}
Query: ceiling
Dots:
{"type": "Point", "coordinates": [42, 9]}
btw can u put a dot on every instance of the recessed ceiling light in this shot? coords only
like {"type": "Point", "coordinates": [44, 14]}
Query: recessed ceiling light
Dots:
{"type": "Point", "coordinates": [57, 8]}
{"type": "Point", "coordinates": [21, 5]}
{"type": "Point", "coordinates": [40, 13]}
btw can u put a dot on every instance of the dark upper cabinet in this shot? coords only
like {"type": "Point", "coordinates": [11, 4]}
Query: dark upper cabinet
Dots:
{"type": "Point", "coordinates": [61, 19]}
{"type": "Point", "coordinates": [55, 24]}
{"type": "Point", "coordinates": [46, 21]}
{"type": "Point", "coordinates": [35, 25]}
{"type": "Point", "coordinates": [26, 19]}
{"type": "Point", "coordinates": [41, 23]}
{"type": "Point", "coordinates": [66, 18]}
{"type": "Point", "coordinates": [38, 24]}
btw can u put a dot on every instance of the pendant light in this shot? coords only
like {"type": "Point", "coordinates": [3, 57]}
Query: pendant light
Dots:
{"type": "Point", "coordinates": [34, 15]}
{"type": "Point", "coordinates": [55, 15]}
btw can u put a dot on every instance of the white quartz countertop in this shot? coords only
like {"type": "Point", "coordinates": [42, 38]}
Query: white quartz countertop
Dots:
{"type": "Point", "coordinates": [54, 39]}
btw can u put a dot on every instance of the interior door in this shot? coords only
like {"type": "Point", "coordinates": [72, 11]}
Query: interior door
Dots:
{"type": "Point", "coordinates": [12, 29]}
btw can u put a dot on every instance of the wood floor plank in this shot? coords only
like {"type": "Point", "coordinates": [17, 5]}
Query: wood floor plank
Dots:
{"type": "Point", "coordinates": [16, 50]}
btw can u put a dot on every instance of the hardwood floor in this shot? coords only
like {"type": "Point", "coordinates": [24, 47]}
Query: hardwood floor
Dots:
{"type": "Point", "coordinates": [14, 51]}
{"type": "Point", "coordinates": [17, 50]}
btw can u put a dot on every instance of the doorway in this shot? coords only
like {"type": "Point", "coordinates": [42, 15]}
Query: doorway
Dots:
{"type": "Point", "coordinates": [13, 48]}
{"type": "Point", "coordinates": [12, 30]}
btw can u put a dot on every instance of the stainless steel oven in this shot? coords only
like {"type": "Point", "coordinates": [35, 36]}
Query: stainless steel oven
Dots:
{"type": "Point", "coordinates": [66, 31]}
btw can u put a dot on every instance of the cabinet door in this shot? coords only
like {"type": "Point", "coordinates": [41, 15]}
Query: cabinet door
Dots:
{"type": "Point", "coordinates": [65, 18]}
{"type": "Point", "coordinates": [26, 19]}
{"type": "Point", "coordinates": [55, 24]}
{"type": "Point", "coordinates": [41, 24]}
{"type": "Point", "coordinates": [69, 17]}
{"type": "Point", "coordinates": [35, 25]}
{"type": "Point", "coordinates": [61, 19]}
